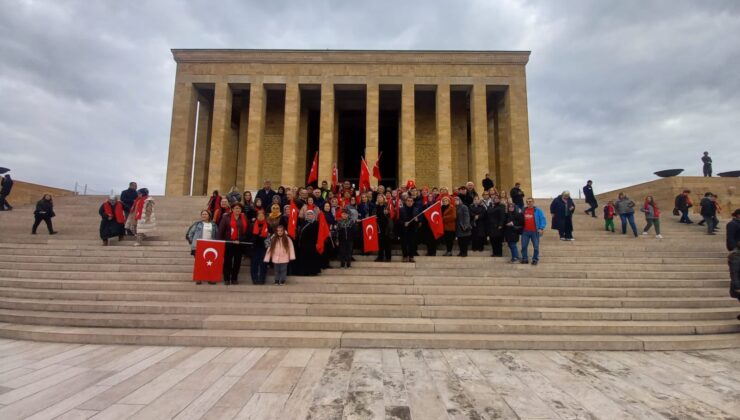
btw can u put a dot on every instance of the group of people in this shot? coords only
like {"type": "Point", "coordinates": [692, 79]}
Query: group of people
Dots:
{"type": "Point", "coordinates": [709, 210]}
{"type": "Point", "coordinates": [129, 214]}
{"type": "Point", "coordinates": [262, 228]}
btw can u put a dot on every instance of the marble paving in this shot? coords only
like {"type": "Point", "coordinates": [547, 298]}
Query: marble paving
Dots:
{"type": "Point", "coordinates": [72, 381]}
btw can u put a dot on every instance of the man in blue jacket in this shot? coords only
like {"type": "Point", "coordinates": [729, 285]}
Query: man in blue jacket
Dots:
{"type": "Point", "coordinates": [534, 226]}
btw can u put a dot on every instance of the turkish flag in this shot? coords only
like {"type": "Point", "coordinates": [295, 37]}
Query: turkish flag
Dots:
{"type": "Point", "coordinates": [364, 176]}
{"type": "Point", "coordinates": [324, 233]}
{"type": "Point", "coordinates": [376, 168]}
{"type": "Point", "coordinates": [292, 219]}
{"type": "Point", "coordinates": [313, 176]}
{"type": "Point", "coordinates": [370, 234]}
{"type": "Point", "coordinates": [209, 260]}
{"type": "Point", "coordinates": [334, 177]}
{"type": "Point", "coordinates": [434, 216]}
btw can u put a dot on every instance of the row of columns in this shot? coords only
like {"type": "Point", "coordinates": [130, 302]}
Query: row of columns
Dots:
{"type": "Point", "coordinates": [221, 144]}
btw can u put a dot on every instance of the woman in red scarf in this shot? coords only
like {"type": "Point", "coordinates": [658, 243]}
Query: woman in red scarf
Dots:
{"type": "Point", "coordinates": [112, 219]}
{"type": "Point", "coordinates": [233, 229]}
{"type": "Point", "coordinates": [259, 232]}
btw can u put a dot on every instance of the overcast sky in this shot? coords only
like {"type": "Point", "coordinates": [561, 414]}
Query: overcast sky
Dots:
{"type": "Point", "coordinates": [617, 89]}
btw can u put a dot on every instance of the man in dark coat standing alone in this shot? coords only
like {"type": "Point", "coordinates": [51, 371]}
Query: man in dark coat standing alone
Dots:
{"type": "Point", "coordinates": [562, 209]}
{"type": "Point", "coordinates": [588, 192]}
{"type": "Point", "coordinates": [7, 186]}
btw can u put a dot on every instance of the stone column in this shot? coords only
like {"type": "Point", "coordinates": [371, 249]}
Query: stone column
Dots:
{"type": "Point", "coordinates": [479, 126]}
{"type": "Point", "coordinates": [203, 138]}
{"type": "Point", "coordinates": [372, 110]}
{"type": "Point", "coordinates": [290, 172]}
{"type": "Point", "coordinates": [182, 135]}
{"type": "Point", "coordinates": [220, 138]}
{"type": "Point", "coordinates": [515, 102]}
{"type": "Point", "coordinates": [241, 166]}
{"type": "Point", "coordinates": [444, 135]}
{"type": "Point", "coordinates": [327, 137]}
{"type": "Point", "coordinates": [255, 135]}
{"type": "Point", "coordinates": [408, 134]}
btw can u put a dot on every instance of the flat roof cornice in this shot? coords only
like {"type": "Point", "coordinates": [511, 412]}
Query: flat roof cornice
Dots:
{"type": "Point", "coordinates": [350, 56]}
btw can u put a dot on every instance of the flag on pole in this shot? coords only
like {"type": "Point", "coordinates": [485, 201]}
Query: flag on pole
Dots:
{"type": "Point", "coordinates": [313, 176]}
{"type": "Point", "coordinates": [324, 233]}
{"type": "Point", "coordinates": [376, 168]}
{"type": "Point", "coordinates": [334, 178]}
{"type": "Point", "coordinates": [433, 214]}
{"type": "Point", "coordinates": [292, 219]}
{"type": "Point", "coordinates": [370, 234]}
{"type": "Point", "coordinates": [209, 260]}
{"type": "Point", "coordinates": [364, 176]}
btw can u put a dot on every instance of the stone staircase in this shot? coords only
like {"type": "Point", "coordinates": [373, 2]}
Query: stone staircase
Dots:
{"type": "Point", "coordinates": [602, 292]}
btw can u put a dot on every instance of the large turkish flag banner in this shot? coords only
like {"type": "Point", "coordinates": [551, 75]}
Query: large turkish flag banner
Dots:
{"type": "Point", "coordinates": [370, 234]}
{"type": "Point", "coordinates": [434, 216]}
{"type": "Point", "coordinates": [209, 260]}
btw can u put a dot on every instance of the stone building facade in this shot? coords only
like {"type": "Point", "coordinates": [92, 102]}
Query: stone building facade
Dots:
{"type": "Point", "coordinates": [439, 117]}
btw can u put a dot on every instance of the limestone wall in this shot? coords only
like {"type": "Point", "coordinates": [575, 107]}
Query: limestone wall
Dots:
{"type": "Point", "coordinates": [27, 193]}
{"type": "Point", "coordinates": [427, 157]}
{"type": "Point", "coordinates": [664, 191]}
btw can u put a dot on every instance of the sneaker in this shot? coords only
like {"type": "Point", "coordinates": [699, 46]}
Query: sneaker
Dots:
{"type": "Point", "coordinates": [571, 239]}
{"type": "Point", "coordinates": [514, 261]}
{"type": "Point", "coordinates": [534, 262]}
{"type": "Point", "coordinates": [659, 236]}
{"type": "Point", "coordinates": [524, 262]}
{"type": "Point", "coordinates": [54, 232]}
{"type": "Point", "coordinates": [563, 239]}
{"type": "Point", "coordinates": [644, 233]}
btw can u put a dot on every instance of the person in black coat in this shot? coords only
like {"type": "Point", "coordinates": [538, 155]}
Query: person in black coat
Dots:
{"type": "Point", "coordinates": [733, 230]}
{"type": "Point", "coordinates": [562, 209]}
{"type": "Point", "coordinates": [487, 183]}
{"type": "Point", "coordinates": [234, 230]}
{"type": "Point", "coordinates": [733, 261]}
{"type": "Point", "coordinates": [385, 229]}
{"type": "Point", "coordinates": [517, 196]}
{"type": "Point", "coordinates": [588, 193]}
{"type": "Point", "coordinates": [478, 221]}
{"type": "Point", "coordinates": [6, 186]}
{"type": "Point", "coordinates": [112, 220]}
{"type": "Point", "coordinates": [44, 212]}
{"type": "Point", "coordinates": [513, 225]}
{"type": "Point", "coordinates": [266, 194]}
{"type": "Point", "coordinates": [308, 260]}
{"type": "Point", "coordinates": [708, 212]}
{"type": "Point", "coordinates": [495, 214]}
{"type": "Point", "coordinates": [128, 197]}
{"type": "Point", "coordinates": [409, 224]}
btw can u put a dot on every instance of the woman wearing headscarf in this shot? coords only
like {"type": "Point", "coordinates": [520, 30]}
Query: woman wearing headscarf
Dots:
{"type": "Point", "coordinates": [562, 209]}
{"type": "Point", "coordinates": [308, 261]}
{"type": "Point", "coordinates": [112, 219]}
{"type": "Point", "coordinates": [273, 219]}
{"type": "Point", "coordinates": [233, 195]}
{"type": "Point", "coordinates": [234, 230]}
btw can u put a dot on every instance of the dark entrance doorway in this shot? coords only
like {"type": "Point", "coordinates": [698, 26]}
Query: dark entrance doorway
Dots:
{"type": "Point", "coordinates": [388, 135]}
{"type": "Point", "coordinates": [351, 122]}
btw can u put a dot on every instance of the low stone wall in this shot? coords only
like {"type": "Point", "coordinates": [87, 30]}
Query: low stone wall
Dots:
{"type": "Point", "coordinates": [665, 190]}
{"type": "Point", "coordinates": [28, 193]}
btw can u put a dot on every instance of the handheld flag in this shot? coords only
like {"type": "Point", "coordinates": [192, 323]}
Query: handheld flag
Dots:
{"type": "Point", "coordinates": [370, 234]}
{"type": "Point", "coordinates": [313, 176]}
{"type": "Point", "coordinates": [376, 168]}
{"type": "Point", "coordinates": [324, 233]}
{"type": "Point", "coordinates": [334, 178]}
{"type": "Point", "coordinates": [209, 260]}
{"type": "Point", "coordinates": [364, 176]}
{"type": "Point", "coordinates": [434, 216]}
{"type": "Point", "coordinates": [292, 219]}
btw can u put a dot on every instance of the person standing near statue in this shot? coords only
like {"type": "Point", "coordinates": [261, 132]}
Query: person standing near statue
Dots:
{"type": "Point", "coordinates": [707, 161]}
{"type": "Point", "coordinates": [588, 193]}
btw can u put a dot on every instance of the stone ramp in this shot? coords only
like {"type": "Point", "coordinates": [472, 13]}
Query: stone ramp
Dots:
{"type": "Point", "coordinates": [602, 292]}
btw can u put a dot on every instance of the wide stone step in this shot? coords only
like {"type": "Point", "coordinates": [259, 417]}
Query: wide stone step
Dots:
{"type": "Point", "coordinates": [261, 338]}
{"type": "Point", "coordinates": [367, 324]}
{"type": "Point", "coordinates": [393, 311]}
{"type": "Point", "coordinates": [488, 290]}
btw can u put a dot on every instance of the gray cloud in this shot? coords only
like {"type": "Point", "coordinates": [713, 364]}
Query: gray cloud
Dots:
{"type": "Point", "coordinates": [617, 90]}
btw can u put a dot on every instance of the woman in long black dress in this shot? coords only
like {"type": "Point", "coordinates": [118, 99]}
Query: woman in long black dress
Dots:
{"type": "Point", "coordinates": [308, 261]}
{"type": "Point", "coordinates": [112, 219]}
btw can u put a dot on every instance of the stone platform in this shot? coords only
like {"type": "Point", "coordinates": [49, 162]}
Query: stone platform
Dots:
{"type": "Point", "coordinates": [73, 381]}
{"type": "Point", "coordinates": [602, 292]}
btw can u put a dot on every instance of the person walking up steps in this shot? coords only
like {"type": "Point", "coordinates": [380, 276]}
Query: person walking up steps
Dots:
{"type": "Point", "coordinates": [652, 216]}
{"type": "Point", "coordinates": [588, 192]}
{"type": "Point", "coordinates": [43, 213]}
{"type": "Point", "coordinates": [626, 210]}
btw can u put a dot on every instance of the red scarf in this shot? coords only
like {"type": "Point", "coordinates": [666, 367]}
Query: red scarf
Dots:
{"type": "Point", "coordinates": [425, 199]}
{"type": "Point", "coordinates": [260, 229]}
{"type": "Point", "coordinates": [220, 212]}
{"type": "Point", "coordinates": [655, 209]}
{"type": "Point", "coordinates": [310, 206]}
{"type": "Point", "coordinates": [108, 209]}
{"type": "Point", "coordinates": [234, 229]}
{"type": "Point", "coordinates": [139, 206]}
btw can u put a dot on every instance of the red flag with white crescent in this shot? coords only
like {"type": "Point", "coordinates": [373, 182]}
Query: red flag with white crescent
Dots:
{"type": "Point", "coordinates": [334, 177]}
{"type": "Point", "coordinates": [209, 260]}
{"type": "Point", "coordinates": [324, 233]}
{"type": "Point", "coordinates": [364, 176]}
{"type": "Point", "coordinates": [313, 176]}
{"type": "Point", "coordinates": [376, 167]}
{"type": "Point", "coordinates": [370, 234]}
{"type": "Point", "coordinates": [292, 219]}
{"type": "Point", "coordinates": [434, 216]}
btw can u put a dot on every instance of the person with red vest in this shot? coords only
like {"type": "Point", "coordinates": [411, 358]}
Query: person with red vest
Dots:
{"type": "Point", "coordinates": [260, 231]}
{"type": "Point", "coordinates": [609, 216]}
{"type": "Point", "coordinates": [652, 216]}
{"type": "Point", "coordinates": [233, 229]}
{"type": "Point", "coordinates": [112, 219]}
